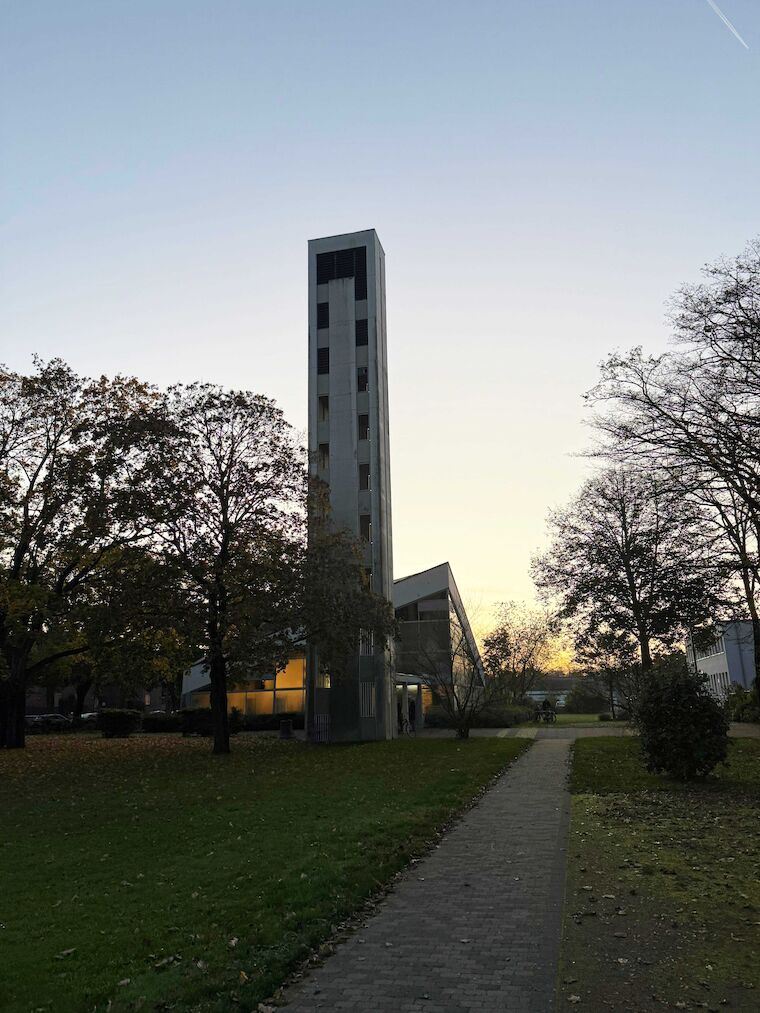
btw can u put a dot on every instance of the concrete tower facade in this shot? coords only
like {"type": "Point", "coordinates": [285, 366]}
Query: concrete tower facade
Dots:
{"type": "Point", "coordinates": [348, 449]}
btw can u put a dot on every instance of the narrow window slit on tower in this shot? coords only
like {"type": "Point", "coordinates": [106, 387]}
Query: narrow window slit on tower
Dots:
{"type": "Point", "coordinates": [324, 456]}
{"type": "Point", "coordinates": [323, 314]}
{"type": "Point", "coordinates": [362, 332]}
{"type": "Point", "coordinates": [364, 427]}
{"type": "Point", "coordinates": [364, 476]}
{"type": "Point", "coordinates": [323, 408]}
{"type": "Point", "coordinates": [366, 643]}
{"type": "Point", "coordinates": [362, 378]}
{"type": "Point", "coordinates": [365, 527]}
{"type": "Point", "coordinates": [368, 699]}
{"type": "Point", "coordinates": [323, 360]}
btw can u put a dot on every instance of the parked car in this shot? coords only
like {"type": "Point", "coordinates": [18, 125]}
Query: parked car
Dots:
{"type": "Point", "coordinates": [54, 723]}
{"type": "Point", "coordinates": [89, 720]}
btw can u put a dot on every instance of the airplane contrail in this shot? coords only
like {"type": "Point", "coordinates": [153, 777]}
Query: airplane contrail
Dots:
{"type": "Point", "coordinates": [726, 22]}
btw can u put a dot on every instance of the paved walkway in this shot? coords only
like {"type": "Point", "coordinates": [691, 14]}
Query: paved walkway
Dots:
{"type": "Point", "coordinates": [475, 926]}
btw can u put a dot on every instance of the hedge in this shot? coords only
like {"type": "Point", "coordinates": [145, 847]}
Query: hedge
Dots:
{"type": "Point", "coordinates": [118, 724]}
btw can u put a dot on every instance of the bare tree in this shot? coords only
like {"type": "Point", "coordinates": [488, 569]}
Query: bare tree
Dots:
{"type": "Point", "coordinates": [692, 416]}
{"type": "Point", "coordinates": [629, 556]}
{"type": "Point", "coordinates": [448, 662]}
{"type": "Point", "coordinates": [517, 649]}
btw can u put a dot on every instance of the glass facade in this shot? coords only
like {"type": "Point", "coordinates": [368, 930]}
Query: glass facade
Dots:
{"type": "Point", "coordinates": [283, 694]}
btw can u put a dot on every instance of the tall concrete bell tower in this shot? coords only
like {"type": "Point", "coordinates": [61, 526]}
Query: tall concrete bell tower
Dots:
{"type": "Point", "coordinates": [348, 449]}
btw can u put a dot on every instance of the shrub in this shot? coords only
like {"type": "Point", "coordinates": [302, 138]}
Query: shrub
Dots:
{"type": "Point", "coordinates": [118, 724]}
{"type": "Point", "coordinates": [495, 716]}
{"type": "Point", "coordinates": [742, 705]}
{"type": "Point", "coordinates": [271, 722]}
{"type": "Point", "coordinates": [605, 717]}
{"type": "Point", "coordinates": [684, 730]}
{"type": "Point", "coordinates": [585, 700]}
{"type": "Point", "coordinates": [198, 721]}
{"type": "Point", "coordinates": [161, 723]}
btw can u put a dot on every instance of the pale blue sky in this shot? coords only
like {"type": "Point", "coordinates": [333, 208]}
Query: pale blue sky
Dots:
{"type": "Point", "coordinates": [542, 175]}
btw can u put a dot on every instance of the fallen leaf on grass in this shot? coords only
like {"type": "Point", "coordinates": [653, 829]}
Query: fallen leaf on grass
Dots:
{"type": "Point", "coordinates": [65, 953]}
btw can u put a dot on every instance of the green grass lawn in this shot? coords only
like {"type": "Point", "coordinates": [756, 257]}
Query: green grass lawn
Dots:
{"type": "Point", "coordinates": [663, 892]}
{"type": "Point", "coordinates": [145, 873]}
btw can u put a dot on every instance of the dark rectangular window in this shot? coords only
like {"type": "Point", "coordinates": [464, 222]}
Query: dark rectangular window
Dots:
{"type": "Point", "coordinates": [324, 455]}
{"type": "Point", "coordinates": [323, 408]}
{"type": "Point", "coordinates": [344, 264]}
{"type": "Point", "coordinates": [362, 332]}
{"type": "Point", "coordinates": [325, 268]}
{"type": "Point", "coordinates": [360, 273]}
{"type": "Point", "coordinates": [362, 378]}
{"type": "Point", "coordinates": [368, 576]}
{"type": "Point", "coordinates": [365, 527]}
{"type": "Point", "coordinates": [323, 360]}
{"type": "Point", "coordinates": [323, 314]}
{"type": "Point", "coordinates": [364, 476]}
{"type": "Point", "coordinates": [364, 427]}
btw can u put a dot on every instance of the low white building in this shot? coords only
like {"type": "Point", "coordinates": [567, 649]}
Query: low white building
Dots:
{"type": "Point", "coordinates": [728, 661]}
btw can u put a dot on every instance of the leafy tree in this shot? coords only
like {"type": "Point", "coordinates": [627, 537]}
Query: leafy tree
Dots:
{"type": "Point", "coordinates": [227, 514]}
{"type": "Point", "coordinates": [336, 605]}
{"type": "Point", "coordinates": [585, 698]}
{"type": "Point", "coordinates": [629, 556]}
{"type": "Point", "coordinates": [137, 632]}
{"type": "Point", "coordinates": [73, 467]}
{"type": "Point", "coordinates": [517, 649]}
{"type": "Point", "coordinates": [609, 660]}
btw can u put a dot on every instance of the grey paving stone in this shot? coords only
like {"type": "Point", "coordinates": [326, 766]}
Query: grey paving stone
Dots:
{"type": "Point", "coordinates": [481, 933]}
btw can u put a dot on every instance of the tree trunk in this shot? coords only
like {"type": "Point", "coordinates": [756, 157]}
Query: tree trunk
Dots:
{"type": "Point", "coordinates": [463, 732]}
{"type": "Point", "coordinates": [646, 656]}
{"type": "Point", "coordinates": [611, 685]}
{"type": "Point", "coordinates": [756, 645]}
{"type": "Point", "coordinates": [12, 714]}
{"type": "Point", "coordinates": [82, 689]}
{"type": "Point", "coordinates": [219, 717]}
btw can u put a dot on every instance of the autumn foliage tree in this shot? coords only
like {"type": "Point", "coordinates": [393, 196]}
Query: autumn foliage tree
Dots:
{"type": "Point", "coordinates": [336, 605]}
{"type": "Point", "coordinates": [73, 467]}
{"type": "Point", "coordinates": [227, 513]}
